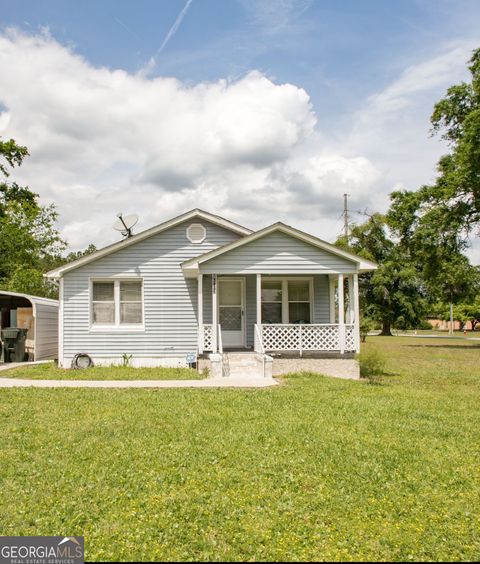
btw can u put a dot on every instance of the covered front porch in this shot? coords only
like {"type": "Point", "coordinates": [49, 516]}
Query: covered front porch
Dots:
{"type": "Point", "coordinates": [278, 291]}
{"type": "Point", "coordinates": [281, 314]}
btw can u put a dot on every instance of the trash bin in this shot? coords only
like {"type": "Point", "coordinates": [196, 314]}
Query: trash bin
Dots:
{"type": "Point", "coordinates": [14, 344]}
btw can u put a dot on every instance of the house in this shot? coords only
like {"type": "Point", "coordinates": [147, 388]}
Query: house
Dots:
{"type": "Point", "coordinates": [269, 301]}
{"type": "Point", "coordinates": [444, 324]}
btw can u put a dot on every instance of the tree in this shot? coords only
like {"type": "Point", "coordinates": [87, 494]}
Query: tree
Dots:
{"type": "Point", "coordinates": [393, 294]}
{"type": "Point", "coordinates": [12, 155]}
{"type": "Point", "coordinates": [436, 221]}
{"type": "Point", "coordinates": [75, 255]}
{"type": "Point", "coordinates": [28, 280]}
{"type": "Point", "coordinates": [439, 217]}
{"type": "Point", "coordinates": [29, 240]}
{"type": "Point", "coordinates": [469, 311]}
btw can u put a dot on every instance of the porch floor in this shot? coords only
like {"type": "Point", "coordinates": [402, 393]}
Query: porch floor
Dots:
{"type": "Point", "coordinates": [289, 354]}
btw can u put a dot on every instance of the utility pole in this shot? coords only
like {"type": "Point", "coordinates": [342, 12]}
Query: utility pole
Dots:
{"type": "Point", "coordinates": [345, 216]}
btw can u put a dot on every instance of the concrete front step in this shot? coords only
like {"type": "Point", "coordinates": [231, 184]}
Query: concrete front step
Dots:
{"type": "Point", "coordinates": [242, 364]}
{"type": "Point", "coordinates": [240, 355]}
{"type": "Point", "coordinates": [238, 365]}
{"type": "Point", "coordinates": [241, 371]}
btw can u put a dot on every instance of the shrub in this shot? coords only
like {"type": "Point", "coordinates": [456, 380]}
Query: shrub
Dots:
{"type": "Point", "coordinates": [366, 325]}
{"type": "Point", "coordinates": [424, 325]}
{"type": "Point", "coordinates": [372, 364]}
{"type": "Point", "coordinates": [126, 358]}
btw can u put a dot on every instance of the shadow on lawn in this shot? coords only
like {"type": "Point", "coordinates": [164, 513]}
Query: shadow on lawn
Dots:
{"type": "Point", "coordinates": [380, 378]}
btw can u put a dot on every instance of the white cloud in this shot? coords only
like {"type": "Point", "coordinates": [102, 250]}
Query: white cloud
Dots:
{"type": "Point", "coordinates": [104, 141]}
{"type": "Point", "coordinates": [393, 126]}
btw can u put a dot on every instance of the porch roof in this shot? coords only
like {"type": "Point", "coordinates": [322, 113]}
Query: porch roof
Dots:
{"type": "Point", "coordinates": [345, 261]}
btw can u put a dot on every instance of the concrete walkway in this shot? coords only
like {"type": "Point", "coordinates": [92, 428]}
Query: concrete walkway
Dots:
{"type": "Point", "coordinates": [230, 382]}
{"type": "Point", "coordinates": [10, 365]}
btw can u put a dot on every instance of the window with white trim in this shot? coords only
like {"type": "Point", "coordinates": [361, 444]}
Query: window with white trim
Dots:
{"type": "Point", "coordinates": [117, 303]}
{"type": "Point", "coordinates": [286, 300]}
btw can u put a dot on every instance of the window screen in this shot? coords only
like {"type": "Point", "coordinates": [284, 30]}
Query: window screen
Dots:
{"type": "Point", "coordinates": [103, 303]}
{"type": "Point", "coordinates": [131, 302]}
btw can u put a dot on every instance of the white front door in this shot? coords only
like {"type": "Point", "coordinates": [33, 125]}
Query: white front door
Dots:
{"type": "Point", "coordinates": [231, 311]}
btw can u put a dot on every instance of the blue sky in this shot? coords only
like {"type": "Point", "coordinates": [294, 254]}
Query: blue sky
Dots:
{"type": "Point", "coordinates": [344, 49]}
{"type": "Point", "coordinates": [370, 70]}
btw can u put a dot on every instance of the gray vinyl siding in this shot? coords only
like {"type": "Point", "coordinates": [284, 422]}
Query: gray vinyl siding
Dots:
{"type": "Point", "coordinates": [278, 253]}
{"type": "Point", "coordinates": [207, 299]}
{"type": "Point", "coordinates": [46, 331]}
{"type": "Point", "coordinates": [170, 300]}
{"type": "Point", "coordinates": [321, 299]}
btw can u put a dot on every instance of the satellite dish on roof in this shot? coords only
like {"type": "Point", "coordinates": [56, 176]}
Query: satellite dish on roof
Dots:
{"type": "Point", "coordinates": [125, 224]}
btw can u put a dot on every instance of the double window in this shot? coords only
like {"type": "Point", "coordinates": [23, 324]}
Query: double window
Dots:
{"type": "Point", "coordinates": [117, 303]}
{"type": "Point", "coordinates": [287, 300]}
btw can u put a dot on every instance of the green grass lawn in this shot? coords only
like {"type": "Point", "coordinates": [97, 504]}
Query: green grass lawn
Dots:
{"type": "Point", "coordinates": [316, 469]}
{"type": "Point", "coordinates": [438, 333]}
{"type": "Point", "coordinates": [49, 371]}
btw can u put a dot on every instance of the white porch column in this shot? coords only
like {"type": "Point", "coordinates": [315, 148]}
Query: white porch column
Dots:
{"type": "Point", "coordinates": [331, 287]}
{"type": "Point", "coordinates": [214, 314]}
{"type": "Point", "coordinates": [350, 311]}
{"type": "Point", "coordinates": [200, 313]}
{"type": "Point", "coordinates": [61, 313]}
{"type": "Point", "coordinates": [356, 314]}
{"type": "Point", "coordinates": [341, 314]}
{"type": "Point", "coordinates": [259, 300]}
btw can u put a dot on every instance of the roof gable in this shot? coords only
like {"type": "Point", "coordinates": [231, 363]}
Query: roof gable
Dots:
{"type": "Point", "coordinates": [191, 215]}
{"type": "Point", "coordinates": [191, 266]}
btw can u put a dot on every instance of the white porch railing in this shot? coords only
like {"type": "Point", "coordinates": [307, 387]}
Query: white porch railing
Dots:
{"type": "Point", "coordinates": [207, 341]}
{"type": "Point", "coordinates": [289, 337]}
{"type": "Point", "coordinates": [315, 337]}
{"type": "Point", "coordinates": [350, 340]}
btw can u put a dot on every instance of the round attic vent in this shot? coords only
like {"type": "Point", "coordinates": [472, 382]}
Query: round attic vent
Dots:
{"type": "Point", "coordinates": [196, 233]}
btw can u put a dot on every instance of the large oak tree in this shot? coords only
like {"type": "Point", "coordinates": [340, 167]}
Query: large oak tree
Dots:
{"type": "Point", "coordinates": [29, 240]}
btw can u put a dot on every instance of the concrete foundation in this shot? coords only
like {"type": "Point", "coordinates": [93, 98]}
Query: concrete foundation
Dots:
{"type": "Point", "coordinates": [212, 369]}
{"type": "Point", "coordinates": [347, 368]}
{"type": "Point", "coordinates": [339, 368]}
{"type": "Point", "coordinates": [134, 362]}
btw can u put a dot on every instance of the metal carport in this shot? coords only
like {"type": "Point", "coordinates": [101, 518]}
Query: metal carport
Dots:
{"type": "Point", "coordinates": [38, 315]}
